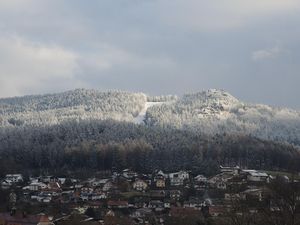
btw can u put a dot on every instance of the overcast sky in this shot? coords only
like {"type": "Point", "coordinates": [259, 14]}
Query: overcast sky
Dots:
{"type": "Point", "coordinates": [251, 48]}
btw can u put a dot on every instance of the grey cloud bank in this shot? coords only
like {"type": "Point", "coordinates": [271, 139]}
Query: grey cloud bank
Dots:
{"type": "Point", "coordinates": [249, 48]}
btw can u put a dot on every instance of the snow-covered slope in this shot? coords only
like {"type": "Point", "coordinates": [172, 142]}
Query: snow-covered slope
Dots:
{"type": "Point", "coordinates": [142, 115]}
{"type": "Point", "coordinates": [210, 112]}
{"type": "Point", "coordinates": [216, 111]}
{"type": "Point", "coordinates": [79, 104]}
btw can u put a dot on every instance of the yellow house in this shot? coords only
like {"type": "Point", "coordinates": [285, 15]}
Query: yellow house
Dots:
{"type": "Point", "coordinates": [140, 185]}
{"type": "Point", "coordinates": [160, 183]}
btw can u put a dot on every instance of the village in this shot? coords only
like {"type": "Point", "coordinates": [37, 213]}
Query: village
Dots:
{"type": "Point", "coordinates": [129, 197]}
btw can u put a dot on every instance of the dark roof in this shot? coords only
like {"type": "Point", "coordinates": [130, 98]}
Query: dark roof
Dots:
{"type": "Point", "coordinates": [21, 219]}
{"type": "Point", "coordinates": [180, 211]}
{"type": "Point", "coordinates": [117, 203]}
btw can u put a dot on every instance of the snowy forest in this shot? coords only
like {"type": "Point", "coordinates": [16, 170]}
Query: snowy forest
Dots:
{"type": "Point", "coordinates": [92, 130]}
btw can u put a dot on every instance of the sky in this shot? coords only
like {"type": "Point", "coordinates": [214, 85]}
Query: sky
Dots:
{"type": "Point", "coordinates": [250, 48]}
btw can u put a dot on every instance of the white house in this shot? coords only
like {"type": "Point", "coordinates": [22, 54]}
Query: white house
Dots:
{"type": "Point", "coordinates": [44, 197]}
{"type": "Point", "coordinates": [5, 184]}
{"type": "Point", "coordinates": [35, 186]}
{"type": "Point", "coordinates": [200, 178]}
{"type": "Point", "coordinates": [99, 182]}
{"type": "Point", "coordinates": [178, 178]}
{"type": "Point", "coordinates": [256, 176]}
{"type": "Point", "coordinates": [227, 169]}
{"type": "Point", "coordinates": [128, 174]}
{"type": "Point", "coordinates": [160, 175]}
{"type": "Point", "coordinates": [14, 178]}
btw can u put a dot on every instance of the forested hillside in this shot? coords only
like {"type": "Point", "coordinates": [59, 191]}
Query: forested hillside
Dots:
{"type": "Point", "coordinates": [109, 144]}
{"type": "Point", "coordinates": [217, 112]}
{"type": "Point", "coordinates": [88, 129]}
{"type": "Point", "coordinates": [210, 112]}
{"type": "Point", "coordinates": [75, 105]}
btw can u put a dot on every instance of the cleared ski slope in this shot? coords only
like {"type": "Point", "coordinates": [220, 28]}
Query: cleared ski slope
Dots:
{"type": "Point", "coordinates": [141, 117]}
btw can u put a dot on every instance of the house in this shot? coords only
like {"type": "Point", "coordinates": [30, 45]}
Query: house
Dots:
{"type": "Point", "coordinates": [44, 197]}
{"type": "Point", "coordinates": [229, 169]}
{"type": "Point", "coordinates": [98, 196]}
{"type": "Point", "coordinates": [160, 183]}
{"type": "Point", "coordinates": [234, 196]}
{"type": "Point", "coordinates": [256, 176]}
{"type": "Point", "coordinates": [200, 179]}
{"type": "Point", "coordinates": [36, 186]}
{"type": "Point", "coordinates": [97, 182]}
{"type": "Point", "coordinates": [140, 185]}
{"type": "Point", "coordinates": [178, 178]}
{"type": "Point", "coordinates": [253, 194]}
{"type": "Point", "coordinates": [141, 213]}
{"type": "Point", "coordinates": [48, 179]}
{"type": "Point", "coordinates": [160, 175]}
{"type": "Point", "coordinates": [54, 186]}
{"type": "Point", "coordinates": [157, 205]}
{"type": "Point", "coordinates": [129, 174]}
{"type": "Point", "coordinates": [6, 184]}
{"type": "Point", "coordinates": [237, 180]}
{"type": "Point", "coordinates": [160, 179]}
{"type": "Point", "coordinates": [23, 219]}
{"type": "Point", "coordinates": [193, 203]}
{"type": "Point", "coordinates": [86, 190]}
{"type": "Point", "coordinates": [146, 178]}
{"type": "Point", "coordinates": [85, 197]}
{"type": "Point", "coordinates": [77, 186]}
{"type": "Point", "coordinates": [220, 181]}
{"type": "Point", "coordinates": [167, 204]}
{"type": "Point", "coordinates": [11, 179]}
{"type": "Point", "coordinates": [62, 180]}
{"type": "Point", "coordinates": [14, 178]}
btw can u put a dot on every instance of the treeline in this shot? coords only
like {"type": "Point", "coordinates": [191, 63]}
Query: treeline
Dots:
{"type": "Point", "coordinates": [79, 104]}
{"type": "Point", "coordinates": [106, 145]}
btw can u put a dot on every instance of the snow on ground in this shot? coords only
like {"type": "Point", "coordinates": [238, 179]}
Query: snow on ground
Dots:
{"type": "Point", "coordinates": [141, 117]}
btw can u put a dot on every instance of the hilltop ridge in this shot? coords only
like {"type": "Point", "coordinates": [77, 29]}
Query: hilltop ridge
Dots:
{"type": "Point", "coordinates": [209, 112]}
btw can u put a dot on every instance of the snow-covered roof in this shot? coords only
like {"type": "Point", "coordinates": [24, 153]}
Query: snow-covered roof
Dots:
{"type": "Point", "coordinates": [256, 173]}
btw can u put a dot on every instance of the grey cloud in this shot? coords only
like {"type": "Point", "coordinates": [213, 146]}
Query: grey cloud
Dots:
{"type": "Point", "coordinates": [266, 53]}
{"type": "Point", "coordinates": [154, 46]}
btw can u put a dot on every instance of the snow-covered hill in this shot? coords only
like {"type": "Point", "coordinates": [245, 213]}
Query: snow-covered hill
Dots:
{"type": "Point", "coordinates": [79, 104]}
{"type": "Point", "coordinates": [210, 112]}
{"type": "Point", "coordinates": [216, 111]}
{"type": "Point", "coordinates": [140, 119]}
